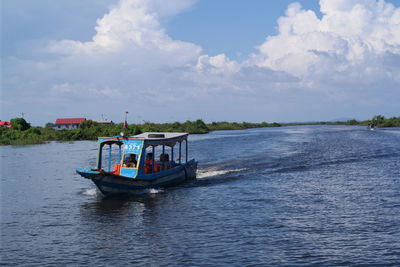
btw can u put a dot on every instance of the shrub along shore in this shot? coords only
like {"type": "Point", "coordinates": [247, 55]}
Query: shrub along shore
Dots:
{"type": "Point", "coordinates": [22, 133]}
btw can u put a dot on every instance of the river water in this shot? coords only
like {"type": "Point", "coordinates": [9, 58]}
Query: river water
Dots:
{"type": "Point", "coordinates": [303, 196]}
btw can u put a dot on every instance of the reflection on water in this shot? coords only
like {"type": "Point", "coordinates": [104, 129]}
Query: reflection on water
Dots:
{"type": "Point", "coordinates": [308, 195]}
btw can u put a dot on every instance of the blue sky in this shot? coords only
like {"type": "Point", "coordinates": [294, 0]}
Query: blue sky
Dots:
{"type": "Point", "coordinates": [235, 33]}
{"type": "Point", "coordinates": [216, 60]}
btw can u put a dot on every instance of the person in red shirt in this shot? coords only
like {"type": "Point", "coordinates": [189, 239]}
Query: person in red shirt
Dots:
{"type": "Point", "coordinates": [148, 163]}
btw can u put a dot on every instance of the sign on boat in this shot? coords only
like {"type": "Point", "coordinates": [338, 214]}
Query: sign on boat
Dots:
{"type": "Point", "coordinates": [147, 160]}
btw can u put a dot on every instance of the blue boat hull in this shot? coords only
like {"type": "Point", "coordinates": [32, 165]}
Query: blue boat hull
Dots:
{"type": "Point", "coordinates": [109, 183]}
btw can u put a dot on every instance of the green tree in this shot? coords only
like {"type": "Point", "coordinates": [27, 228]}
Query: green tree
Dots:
{"type": "Point", "coordinates": [201, 127]}
{"type": "Point", "coordinates": [87, 124]}
{"type": "Point", "coordinates": [378, 118]}
{"type": "Point", "coordinates": [352, 122]}
{"type": "Point", "coordinates": [20, 124]}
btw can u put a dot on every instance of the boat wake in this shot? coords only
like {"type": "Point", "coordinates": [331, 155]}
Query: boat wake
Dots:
{"type": "Point", "coordinates": [147, 191]}
{"type": "Point", "coordinates": [154, 191]}
{"type": "Point", "coordinates": [89, 192]}
{"type": "Point", "coordinates": [214, 172]}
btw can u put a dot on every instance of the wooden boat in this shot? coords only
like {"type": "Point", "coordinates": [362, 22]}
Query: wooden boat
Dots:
{"type": "Point", "coordinates": [141, 162]}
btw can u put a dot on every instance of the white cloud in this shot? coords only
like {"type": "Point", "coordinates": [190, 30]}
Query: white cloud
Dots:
{"type": "Point", "coordinates": [217, 64]}
{"type": "Point", "coordinates": [350, 41]}
{"type": "Point", "coordinates": [133, 28]}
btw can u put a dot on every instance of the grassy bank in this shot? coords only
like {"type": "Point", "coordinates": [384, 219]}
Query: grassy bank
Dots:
{"type": "Point", "coordinates": [21, 133]}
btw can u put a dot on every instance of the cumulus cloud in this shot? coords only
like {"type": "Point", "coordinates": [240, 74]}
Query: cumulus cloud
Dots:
{"type": "Point", "coordinates": [352, 40]}
{"type": "Point", "coordinates": [133, 28]}
{"type": "Point", "coordinates": [216, 64]}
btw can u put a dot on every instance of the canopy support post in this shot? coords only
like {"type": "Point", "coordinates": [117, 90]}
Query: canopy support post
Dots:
{"type": "Point", "coordinates": [152, 160]}
{"type": "Point", "coordinates": [172, 154]}
{"type": "Point", "coordinates": [180, 152]}
{"type": "Point", "coordinates": [187, 151]}
{"type": "Point", "coordinates": [119, 154]}
{"type": "Point", "coordinates": [99, 157]}
{"type": "Point", "coordinates": [109, 158]}
{"type": "Point", "coordinates": [163, 157]}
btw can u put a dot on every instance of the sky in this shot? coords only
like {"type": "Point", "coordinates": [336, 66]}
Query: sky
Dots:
{"type": "Point", "coordinates": [274, 61]}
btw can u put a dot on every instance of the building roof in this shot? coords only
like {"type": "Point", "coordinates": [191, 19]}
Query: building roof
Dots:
{"type": "Point", "coordinates": [5, 123]}
{"type": "Point", "coordinates": [70, 120]}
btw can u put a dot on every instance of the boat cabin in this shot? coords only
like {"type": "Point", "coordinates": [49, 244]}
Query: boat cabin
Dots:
{"type": "Point", "coordinates": [146, 154]}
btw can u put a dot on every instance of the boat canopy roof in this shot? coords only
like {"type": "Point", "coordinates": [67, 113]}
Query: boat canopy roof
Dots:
{"type": "Point", "coordinates": [148, 138]}
{"type": "Point", "coordinates": [158, 135]}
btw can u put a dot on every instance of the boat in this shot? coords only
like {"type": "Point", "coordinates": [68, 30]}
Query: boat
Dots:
{"type": "Point", "coordinates": [127, 164]}
{"type": "Point", "coordinates": [371, 126]}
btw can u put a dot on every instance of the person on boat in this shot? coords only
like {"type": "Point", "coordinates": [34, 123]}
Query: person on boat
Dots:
{"type": "Point", "coordinates": [149, 158]}
{"type": "Point", "coordinates": [167, 162]}
{"type": "Point", "coordinates": [130, 161]}
{"type": "Point", "coordinates": [148, 163]}
{"type": "Point", "coordinates": [164, 161]}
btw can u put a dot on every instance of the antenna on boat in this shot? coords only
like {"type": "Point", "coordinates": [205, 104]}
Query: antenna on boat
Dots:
{"type": "Point", "coordinates": [125, 123]}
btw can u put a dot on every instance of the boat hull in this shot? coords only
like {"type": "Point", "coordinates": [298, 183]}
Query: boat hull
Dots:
{"type": "Point", "coordinates": [109, 183]}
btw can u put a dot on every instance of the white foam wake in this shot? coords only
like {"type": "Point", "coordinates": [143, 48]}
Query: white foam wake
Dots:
{"type": "Point", "coordinates": [90, 192]}
{"type": "Point", "coordinates": [210, 173]}
{"type": "Point", "coordinates": [154, 191]}
{"type": "Point", "coordinates": [147, 191]}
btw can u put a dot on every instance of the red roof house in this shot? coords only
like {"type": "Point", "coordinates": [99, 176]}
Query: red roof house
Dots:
{"type": "Point", "coordinates": [5, 124]}
{"type": "Point", "coordinates": [68, 123]}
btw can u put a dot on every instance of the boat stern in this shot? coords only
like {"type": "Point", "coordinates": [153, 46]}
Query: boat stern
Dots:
{"type": "Point", "coordinates": [191, 169]}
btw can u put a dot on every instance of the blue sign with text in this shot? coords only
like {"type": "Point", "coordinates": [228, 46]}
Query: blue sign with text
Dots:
{"type": "Point", "coordinates": [133, 146]}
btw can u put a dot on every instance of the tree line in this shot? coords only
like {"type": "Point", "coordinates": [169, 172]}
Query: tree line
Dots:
{"type": "Point", "coordinates": [22, 133]}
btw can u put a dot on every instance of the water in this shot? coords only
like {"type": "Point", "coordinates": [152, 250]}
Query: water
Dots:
{"type": "Point", "coordinates": [306, 195]}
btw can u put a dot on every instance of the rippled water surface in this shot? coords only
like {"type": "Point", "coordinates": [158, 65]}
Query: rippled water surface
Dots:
{"type": "Point", "coordinates": [306, 195]}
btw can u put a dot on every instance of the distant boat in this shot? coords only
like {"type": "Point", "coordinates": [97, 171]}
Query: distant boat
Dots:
{"type": "Point", "coordinates": [371, 126]}
{"type": "Point", "coordinates": [135, 165]}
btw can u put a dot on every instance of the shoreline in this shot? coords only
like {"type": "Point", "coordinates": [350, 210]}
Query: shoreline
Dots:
{"type": "Point", "coordinates": [89, 130]}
